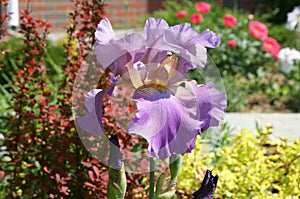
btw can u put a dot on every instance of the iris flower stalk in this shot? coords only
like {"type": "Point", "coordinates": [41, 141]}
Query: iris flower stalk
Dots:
{"type": "Point", "coordinates": [170, 110]}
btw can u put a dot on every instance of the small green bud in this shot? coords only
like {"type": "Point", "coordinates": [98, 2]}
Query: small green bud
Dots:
{"type": "Point", "coordinates": [175, 165]}
{"type": "Point", "coordinates": [116, 187]}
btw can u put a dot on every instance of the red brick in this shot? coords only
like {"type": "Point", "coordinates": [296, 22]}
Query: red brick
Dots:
{"type": "Point", "coordinates": [66, 7]}
{"type": "Point", "coordinates": [136, 5]}
{"type": "Point", "coordinates": [41, 7]}
{"type": "Point", "coordinates": [113, 6]}
{"type": "Point", "coordinates": [121, 14]}
{"type": "Point", "coordinates": [31, 1]}
{"type": "Point", "coordinates": [131, 13]}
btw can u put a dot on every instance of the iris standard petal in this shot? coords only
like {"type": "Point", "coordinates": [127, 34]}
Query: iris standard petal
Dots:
{"type": "Point", "coordinates": [179, 41]}
{"type": "Point", "coordinates": [174, 39]}
{"type": "Point", "coordinates": [211, 104]}
{"type": "Point", "coordinates": [121, 53]}
{"type": "Point", "coordinates": [154, 29]}
{"type": "Point", "coordinates": [208, 38]}
{"type": "Point", "coordinates": [108, 53]}
{"type": "Point", "coordinates": [168, 122]}
{"type": "Point", "coordinates": [89, 122]}
{"type": "Point", "coordinates": [104, 32]}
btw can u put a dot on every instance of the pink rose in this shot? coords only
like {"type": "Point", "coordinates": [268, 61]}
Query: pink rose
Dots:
{"type": "Point", "coordinates": [196, 18]}
{"type": "Point", "coordinates": [229, 20]}
{"type": "Point", "coordinates": [181, 14]}
{"type": "Point", "coordinates": [202, 7]}
{"type": "Point", "coordinates": [231, 43]}
{"type": "Point", "coordinates": [271, 46]}
{"type": "Point", "coordinates": [258, 30]}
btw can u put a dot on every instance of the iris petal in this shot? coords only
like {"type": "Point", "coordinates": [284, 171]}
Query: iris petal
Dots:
{"type": "Point", "coordinates": [104, 32]}
{"type": "Point", "coordinates": [154, 29]}
{"type": "Point", "coordinates": [208, 38]}
{"type": "Point", "coordinates": [108, 53]}
{"type": "Point", "coordinates": [89, 122]}
{"type": "Point", "coordinates": [211, 104]}
{"type": "Point", "coordinates": [170, 124]}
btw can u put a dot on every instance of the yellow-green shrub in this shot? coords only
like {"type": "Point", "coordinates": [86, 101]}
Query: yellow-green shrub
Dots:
{"type": "Point", "coordinates": [252, 166]}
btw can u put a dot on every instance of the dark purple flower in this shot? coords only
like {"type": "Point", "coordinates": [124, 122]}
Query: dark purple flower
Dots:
{"type": "Point", "coordinates": [208, 186]}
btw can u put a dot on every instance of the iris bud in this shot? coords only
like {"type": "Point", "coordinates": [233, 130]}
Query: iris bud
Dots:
{"type": "Point", "coordinates": [116, 187]}
{"type": "Point", "coordinates": [175, 165]}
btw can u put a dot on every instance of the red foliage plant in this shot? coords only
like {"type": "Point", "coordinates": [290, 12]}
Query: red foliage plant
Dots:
{"type": "Point", "coordinates": [48, 159]}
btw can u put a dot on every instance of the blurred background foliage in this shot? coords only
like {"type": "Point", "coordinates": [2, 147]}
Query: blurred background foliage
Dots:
{"type": "Point", "coordinates": [254, 76]}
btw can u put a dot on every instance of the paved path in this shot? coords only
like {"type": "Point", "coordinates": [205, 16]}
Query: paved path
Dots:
{"type": "Point", "coordinates": [285, 124]}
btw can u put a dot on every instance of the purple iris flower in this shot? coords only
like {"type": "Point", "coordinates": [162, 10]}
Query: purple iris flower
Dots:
{"type": "Point", "coordinates": [171, 111]}
{"type": "Point", "coordinates": [120, 54]}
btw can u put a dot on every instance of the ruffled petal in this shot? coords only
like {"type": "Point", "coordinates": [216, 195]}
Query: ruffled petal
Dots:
{"type": "Point", "coordinates": [156, 23]}
{"type": "Point", "coordinates": [89, 122]}
{"type": "Point", "coordinates": [184, 28]}
{"type": "Point", "coordinates": [182, 39]}
{"type": "Point", "coordinates": [104, 32]}
{"type": "Point", "coordinates": [168, 122]}
{"type": "Point", "coordinates": [208, 38]}
{"type": "Point", "coordinates": [154, 29]}
{"type": "Point", "coordinates": [179, 39]}
{"type": "Point", "coordinates": [211, 104]}
{"type": "Point", "coordinates": [121, 53]}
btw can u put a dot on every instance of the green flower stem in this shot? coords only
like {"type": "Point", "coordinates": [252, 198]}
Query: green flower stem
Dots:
{"type": "Point", "coordinates": [152, 179]}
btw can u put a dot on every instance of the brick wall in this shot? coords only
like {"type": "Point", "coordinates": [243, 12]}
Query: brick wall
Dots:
{"type": "Point", "coordinates": [122, 13]}
{"type": "Point", "coordinates": [126, 13]}
{"type": "Point", "coordinates": [54, 11]}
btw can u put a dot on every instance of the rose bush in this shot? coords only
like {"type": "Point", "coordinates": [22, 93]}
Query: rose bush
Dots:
{"type": "Point", "coordinates": [248, 52]}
